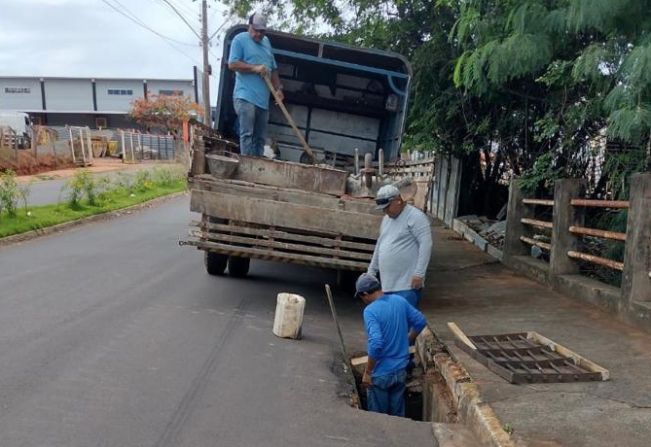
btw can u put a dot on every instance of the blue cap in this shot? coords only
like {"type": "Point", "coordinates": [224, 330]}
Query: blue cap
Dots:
{"type": "Point", "coordinates": [366, 283]}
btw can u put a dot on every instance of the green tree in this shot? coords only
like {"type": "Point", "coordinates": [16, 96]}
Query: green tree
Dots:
{"type": "Point", "coordinates": [505, 82]}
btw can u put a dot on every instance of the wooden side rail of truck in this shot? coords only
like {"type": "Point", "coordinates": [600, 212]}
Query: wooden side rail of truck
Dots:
{"type": "Point", "coordinates": [280, 211]}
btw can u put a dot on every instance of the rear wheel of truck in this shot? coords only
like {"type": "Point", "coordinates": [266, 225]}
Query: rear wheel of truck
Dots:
{"type": "Point", "coordinates": [238, 267]}
{"type": "Point", "coordinates": [215, 263]}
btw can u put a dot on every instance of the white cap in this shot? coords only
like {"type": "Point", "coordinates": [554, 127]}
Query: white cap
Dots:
{"type": "Point", "coordinates": [385, 195]}
{"type": "Point", "coordinates": [258, 21]}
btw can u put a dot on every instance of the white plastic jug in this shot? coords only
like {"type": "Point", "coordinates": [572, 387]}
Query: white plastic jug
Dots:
{"type": "Point", "coordinates": [289, 315]}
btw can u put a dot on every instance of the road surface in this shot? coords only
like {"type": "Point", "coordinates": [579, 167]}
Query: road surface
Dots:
{"type": "Point", "coordinates": [113, 335]}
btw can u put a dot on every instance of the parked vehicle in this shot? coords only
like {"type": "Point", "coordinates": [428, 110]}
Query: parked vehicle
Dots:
{"type": "Point", "coordinates": [351, 104]}
{"type": "Point", "coordinates": [20, 129]}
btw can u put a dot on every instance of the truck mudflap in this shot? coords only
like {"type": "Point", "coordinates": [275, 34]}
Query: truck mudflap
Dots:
{"type": "Point", "coordinates": [283, 245]}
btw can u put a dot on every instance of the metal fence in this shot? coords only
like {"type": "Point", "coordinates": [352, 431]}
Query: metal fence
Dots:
{"type": "Point", "coordinates": [136, 146]}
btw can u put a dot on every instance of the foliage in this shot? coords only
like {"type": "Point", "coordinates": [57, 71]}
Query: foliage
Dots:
{"type": "Point", "coordinates": [82, 183]}
{"type": "Point", "coordinates": [542, 175]}
{"type": "Point", "coordinates": [9, 193]}
{"type": "Point", "coordinates": [168, 175]}
{"type": "Point", "coordinates": [143, 181]}
{"type": "Point", "coordinates": [167, 112]}
{"type": "Point", "coordinates": [109, 194]}
{"type": "Point", "coordinates": [505, 82]}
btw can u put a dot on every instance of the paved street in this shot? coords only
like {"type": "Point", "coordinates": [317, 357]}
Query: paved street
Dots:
{"type": "Point", "coordinates": [113, 335]}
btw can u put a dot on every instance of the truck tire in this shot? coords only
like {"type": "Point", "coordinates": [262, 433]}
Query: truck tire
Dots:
{"type": "Point", "coordinates": [215, 263]}
{"type": "Point", "coordinates": [238, 267]}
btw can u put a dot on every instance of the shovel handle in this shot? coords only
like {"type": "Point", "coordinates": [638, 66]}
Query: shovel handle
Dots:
{"type": "Point", "coordinates": [288, 117]}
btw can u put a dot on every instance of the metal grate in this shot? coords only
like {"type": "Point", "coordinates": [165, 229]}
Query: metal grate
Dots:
{"type": "Point", "coordinates": [528, 357]}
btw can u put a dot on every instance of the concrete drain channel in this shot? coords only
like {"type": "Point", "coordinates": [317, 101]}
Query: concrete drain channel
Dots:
{"type": "Point", "coordinates": [440, 391]}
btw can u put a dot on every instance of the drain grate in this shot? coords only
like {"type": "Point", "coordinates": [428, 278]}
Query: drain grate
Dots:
{"type": "Point", "coordinates": [528, 357]}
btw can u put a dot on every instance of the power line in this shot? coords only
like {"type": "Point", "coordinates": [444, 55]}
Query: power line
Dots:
{"type": "Point", "coordinates": [188, 10]}
{"type": "Point", "coordinates": [129, 15]}
{"type": "Point", "coordinates": [218, 28]}
{"type": "Point", "coordinates": [166, 39]}
{"type": "Point", "coordinates": [168, 3]}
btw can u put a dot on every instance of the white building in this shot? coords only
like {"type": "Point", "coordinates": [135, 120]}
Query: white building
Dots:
{"type": "Point", "coordinates": [94, 102]}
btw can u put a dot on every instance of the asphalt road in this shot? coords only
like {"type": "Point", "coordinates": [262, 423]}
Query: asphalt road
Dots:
{"type": "Point", "coordinates": [113, 335]}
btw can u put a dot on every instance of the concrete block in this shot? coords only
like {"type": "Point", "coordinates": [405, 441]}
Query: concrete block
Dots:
{"type": "Point", "coordinates": [516, 210]}
{"type": "Point", "coordinates": [636, 280]}
{"type": "Point", "coordinates": [589, 290]}
{"type": "Point", "coordinates": [532, 268]}
{"type": "Point", "coordinates": [565, 215]}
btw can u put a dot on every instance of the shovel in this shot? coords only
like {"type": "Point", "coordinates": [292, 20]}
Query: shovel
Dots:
{"type": "Point", "coordinates": [290, 120]}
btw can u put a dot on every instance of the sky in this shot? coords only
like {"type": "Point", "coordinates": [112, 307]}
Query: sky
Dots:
{"type": "Point", "coordinates": [87, 38]}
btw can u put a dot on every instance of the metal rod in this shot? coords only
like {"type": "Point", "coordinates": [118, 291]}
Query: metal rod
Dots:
{"type": "Point", "coordinates": [601, 203]}
{"type": "Point", "coordinates": [380, 163]}
{"type": "Point", "coordinates": [542, 202]}
{"type": "Point", "coordinates": [356, 161]}
{"type": "Point", "coordinates": [344, 351]}
{"type": "Point", "coordinates": [537, 223]}
{"type": "Point", "coordinates": [615, 265]}
{"type": "Point", "coordinates": [598, 233]}
{"type": "Point", "coordinates": [528, 240]}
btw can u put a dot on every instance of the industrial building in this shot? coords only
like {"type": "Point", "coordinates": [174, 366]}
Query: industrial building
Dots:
{"type": "Point", "coordinates": [94, 102]}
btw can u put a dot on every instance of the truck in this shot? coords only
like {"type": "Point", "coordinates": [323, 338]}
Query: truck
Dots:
{"type": "Point", "coordinates": [16, 129]}
{"type": "Point", "coordinates": [350, 103]}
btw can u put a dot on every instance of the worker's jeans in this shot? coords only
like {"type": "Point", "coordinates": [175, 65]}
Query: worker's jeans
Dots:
{"type": "Point", "coordinates": [387, 394]}
{"type": "Point", "coordinates": [253, 127]}
{"type": "Point", "coordinates": [412, 296]}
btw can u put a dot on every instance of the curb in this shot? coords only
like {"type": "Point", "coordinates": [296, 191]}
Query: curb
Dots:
{"type": "Point", "coordinates": [477, 415]}
{"type": "Point", "coordinates": [33, 234]}
{"type": "Point", "coordinates": [475, 238]}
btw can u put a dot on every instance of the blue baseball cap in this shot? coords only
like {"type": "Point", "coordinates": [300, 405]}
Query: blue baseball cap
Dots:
{"type": "Point", "coordinates": [366, 283]}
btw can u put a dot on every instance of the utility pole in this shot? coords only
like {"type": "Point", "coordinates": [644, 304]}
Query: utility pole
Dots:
{"type": "Point", "coordinates": [205, 41]}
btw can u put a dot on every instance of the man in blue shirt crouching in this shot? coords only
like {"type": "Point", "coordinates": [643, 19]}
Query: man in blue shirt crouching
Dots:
{"type": "Point", "coordinates": [387, 319]}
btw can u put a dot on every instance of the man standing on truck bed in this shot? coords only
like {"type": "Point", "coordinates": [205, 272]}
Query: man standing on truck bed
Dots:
{"type": "Point", "coordinates": [403, 249]}
{"type": "Point", "coordinates": [251, 58]}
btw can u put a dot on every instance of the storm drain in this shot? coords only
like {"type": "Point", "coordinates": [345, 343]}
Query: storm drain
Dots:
{"type": "Point", "coordinates": [413, 391]}
{"type": "Point", "coordinates": [427, 397]}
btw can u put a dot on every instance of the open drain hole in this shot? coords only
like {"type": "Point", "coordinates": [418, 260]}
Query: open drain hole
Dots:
{"type": "Point", "coordinates": [413, 390]}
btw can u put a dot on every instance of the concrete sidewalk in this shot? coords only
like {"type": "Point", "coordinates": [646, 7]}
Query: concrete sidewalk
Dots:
{"type": "Point", "coordinates": [472, 289]}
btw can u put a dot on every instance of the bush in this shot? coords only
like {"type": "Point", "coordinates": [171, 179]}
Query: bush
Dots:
{"type": "Point", "coordinates": [80, 185]}
{"type": "Point", "coordinates": [168, 175]}
{"type": "Point", "coordinates": [125, 182]}
{"type": "Point", "coordinates": [9, 193]}
{"type": "Point", "coordinates": [143, 181]}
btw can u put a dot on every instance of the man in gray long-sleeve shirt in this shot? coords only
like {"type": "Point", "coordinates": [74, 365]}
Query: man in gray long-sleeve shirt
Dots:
{"type": "Point", "coordinates": [403, 250]}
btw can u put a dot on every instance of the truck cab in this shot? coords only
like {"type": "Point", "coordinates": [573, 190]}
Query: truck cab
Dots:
{"type": "Point", "coordinates": [20, 128]}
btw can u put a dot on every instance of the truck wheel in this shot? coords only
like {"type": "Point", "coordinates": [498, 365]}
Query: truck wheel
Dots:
{"type": "Point", "coordinates": [238, 267]}
{"type": "Point", "coordinates": [215, 263]}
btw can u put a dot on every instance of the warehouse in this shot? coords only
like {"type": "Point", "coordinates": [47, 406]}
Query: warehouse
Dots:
{"type": "Point", "coordinates": [94, 102]}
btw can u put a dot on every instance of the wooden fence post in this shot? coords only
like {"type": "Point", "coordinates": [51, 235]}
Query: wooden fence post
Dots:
{"type": "Point", "coordinates": [636, 280]}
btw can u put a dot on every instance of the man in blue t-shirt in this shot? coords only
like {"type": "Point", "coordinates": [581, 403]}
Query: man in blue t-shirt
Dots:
{"type": "Point", "coordinates": [251, 59]}
{"type": "Point", "coordinates": [387, 319]}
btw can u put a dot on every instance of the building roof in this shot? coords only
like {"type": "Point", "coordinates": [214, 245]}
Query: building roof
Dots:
{"type": "Point", "coordinates": [96, 78]}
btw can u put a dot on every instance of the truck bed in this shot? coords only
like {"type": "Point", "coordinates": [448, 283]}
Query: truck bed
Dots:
{"type": "Point", "coordinates": [257, 221]}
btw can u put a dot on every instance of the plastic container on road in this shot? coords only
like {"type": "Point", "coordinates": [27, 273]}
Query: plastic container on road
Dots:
{"type": "Point", "coordinates": [288, 320]}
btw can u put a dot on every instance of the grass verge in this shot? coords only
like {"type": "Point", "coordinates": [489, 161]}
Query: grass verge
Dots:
{"type": "Point", "coordinates": [38, 217]}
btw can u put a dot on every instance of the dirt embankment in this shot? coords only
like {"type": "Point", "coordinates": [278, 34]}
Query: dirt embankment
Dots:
{"type": "Point", "coordinates": [24, 162]}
